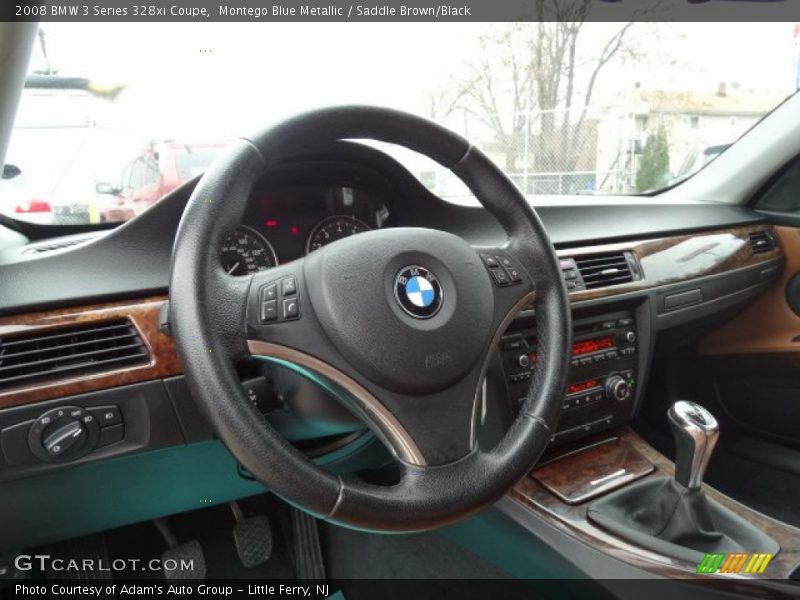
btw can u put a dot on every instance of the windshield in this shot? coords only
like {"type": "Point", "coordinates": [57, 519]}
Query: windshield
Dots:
{"type": "Point", "coordinates": [114, 117]}
{"type": "Point", "coordinates": [191, 161]}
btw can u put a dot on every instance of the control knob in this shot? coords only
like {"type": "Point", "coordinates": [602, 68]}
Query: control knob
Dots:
{"type": "Point", "coordinates": [62, 436]}
{"type": "Point", "coordinates": [618, 389]}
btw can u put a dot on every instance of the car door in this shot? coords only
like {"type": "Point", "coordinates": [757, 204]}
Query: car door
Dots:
{"type": "Point", "coordinates": [750, 367]}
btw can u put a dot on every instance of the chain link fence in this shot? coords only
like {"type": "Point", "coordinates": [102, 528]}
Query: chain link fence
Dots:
{"type": "Point", "coordinates": [554, 152]}
{"type": "Point", "coordinates": [596, 150]}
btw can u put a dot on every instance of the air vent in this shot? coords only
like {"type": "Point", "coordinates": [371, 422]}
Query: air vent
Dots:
{"type": "Point", "coordinates": [66, 352]}
{"type": "Point", "coordinates": [761, 241]}
{"type": "Point", "coordinates": [601, 270]}
{"type": "Point", "coordinates": [55, 246]}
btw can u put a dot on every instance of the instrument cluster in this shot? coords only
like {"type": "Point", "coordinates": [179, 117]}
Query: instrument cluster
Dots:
{"type": "Point", "coordinates": [284, 222]}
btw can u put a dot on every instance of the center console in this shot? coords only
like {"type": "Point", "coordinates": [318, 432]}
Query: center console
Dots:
{"type": "Point", "coordinates": [602, 384]}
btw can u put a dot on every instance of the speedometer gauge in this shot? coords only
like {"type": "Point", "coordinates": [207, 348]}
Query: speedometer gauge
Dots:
{"type": "Point", "coordinates": [245, 251]}
{"type": "Point", "coordinates": [332, 229]}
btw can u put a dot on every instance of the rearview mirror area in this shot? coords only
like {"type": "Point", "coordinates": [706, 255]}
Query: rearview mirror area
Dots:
{"type": "Point", "coordinates": [11, 171]}
{"type": "Point", "coordinates": [103, 187]}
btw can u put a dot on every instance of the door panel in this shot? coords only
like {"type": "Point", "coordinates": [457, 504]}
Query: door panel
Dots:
{"type": "Point", "coordinates": [754, 360]}
{"type": "Point", "coordinates": [769, 325]}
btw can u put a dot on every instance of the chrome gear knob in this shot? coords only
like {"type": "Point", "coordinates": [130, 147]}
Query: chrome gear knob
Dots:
{"type": "Point", "coordinates": [695, 431]}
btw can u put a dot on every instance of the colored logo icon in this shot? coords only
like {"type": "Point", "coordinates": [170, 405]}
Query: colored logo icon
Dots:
{"type": "Point", "coordinates": [418, 292]}
{"type": "Point", "coordinates": [736, 562]}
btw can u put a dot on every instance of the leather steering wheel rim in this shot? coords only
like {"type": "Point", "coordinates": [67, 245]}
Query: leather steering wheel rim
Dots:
{"type": "Point", "coordinates": [215, 324]}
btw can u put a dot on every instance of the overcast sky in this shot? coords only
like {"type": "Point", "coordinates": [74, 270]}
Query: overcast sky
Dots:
{"type": "Point", "coordinates": [213, 81]}
{"type": "Point", "coordinates": [234, 77]}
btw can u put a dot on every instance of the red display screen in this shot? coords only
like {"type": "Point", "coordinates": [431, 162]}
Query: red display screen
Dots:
{"type": "Point", "coordinates": [582, 386]}
{"type": "Point", "coordinates": [593, 345]}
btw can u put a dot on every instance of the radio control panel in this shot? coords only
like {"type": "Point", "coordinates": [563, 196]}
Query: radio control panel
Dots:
{"type": "Point", "coordinates": [602, 383]}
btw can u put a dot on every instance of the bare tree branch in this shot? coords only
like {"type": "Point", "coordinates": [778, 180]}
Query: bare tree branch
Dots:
{"type": "Point", "coordinates": [538, 69]}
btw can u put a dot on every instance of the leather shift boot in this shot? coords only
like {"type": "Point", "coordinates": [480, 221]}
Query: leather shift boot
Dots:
{"type": "Point", "coordinates": [661, 515]}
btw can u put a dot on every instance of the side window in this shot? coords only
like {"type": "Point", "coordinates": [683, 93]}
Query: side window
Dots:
{"type": "Point", "coordinates": [151, 174]}
{"type": "Point", "coordinates": [137, 173]}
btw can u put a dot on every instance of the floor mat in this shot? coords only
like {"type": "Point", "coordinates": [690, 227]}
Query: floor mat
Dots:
{"type": "Point", "coordinates": [358, 555]}
{"type": "Point", "coordinates": [356, 559]}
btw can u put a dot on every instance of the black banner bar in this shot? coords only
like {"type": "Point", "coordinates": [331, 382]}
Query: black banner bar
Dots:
{"type": "Point", "coordinates": [397, 589]}
{"type": "Point", "coordinates": [390, 10]}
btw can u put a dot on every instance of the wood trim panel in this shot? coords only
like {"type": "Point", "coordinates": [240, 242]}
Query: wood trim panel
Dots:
{"type": "Point", "coordinates": [144, 316]}
{"type": "Point", "coordinates": [679, 258]}
{"type": "Point", "coordinates": [592, 470]}
{"type": "Point", "coordinates": [572, 520]}
{"type": "Point", "coordinates": [768, 326]}
{"type": "Point", "coordinates": [665, 260]}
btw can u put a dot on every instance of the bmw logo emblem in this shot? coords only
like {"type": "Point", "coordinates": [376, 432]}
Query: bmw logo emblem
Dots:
{"type": "Point", "coordinates": [418, 292]}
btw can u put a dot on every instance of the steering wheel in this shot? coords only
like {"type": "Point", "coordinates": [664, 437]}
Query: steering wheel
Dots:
{"type": "Point", "coordinates": [403, 319]}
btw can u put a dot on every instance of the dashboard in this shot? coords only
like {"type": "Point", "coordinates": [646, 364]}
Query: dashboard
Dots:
{"type": "Point", "coordinates": [687, 265]}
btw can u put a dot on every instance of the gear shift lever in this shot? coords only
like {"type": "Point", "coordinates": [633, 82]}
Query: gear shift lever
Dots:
{"type": "Point", "coordinates": [674, 516]}
{"type": "Point", "coordinates": [695, 431]}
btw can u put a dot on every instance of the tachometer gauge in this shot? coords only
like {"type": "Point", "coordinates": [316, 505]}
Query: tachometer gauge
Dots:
{"type": "Point", "coordinates": [246, 251]}
{"type": "Point", "coordinates": [332, 229]}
